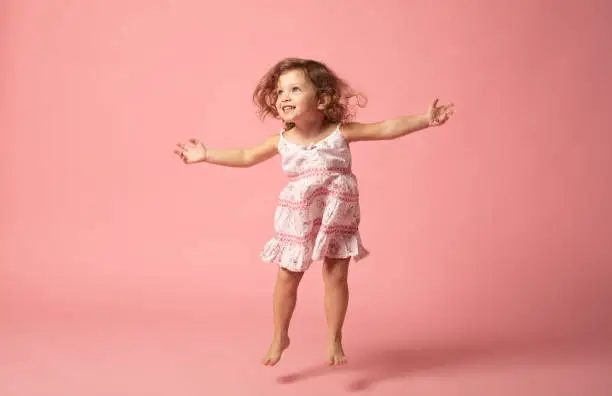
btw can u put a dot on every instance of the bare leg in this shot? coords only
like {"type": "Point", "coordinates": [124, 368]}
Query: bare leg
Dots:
{"type": "Point", "coordinates": [285, 296]}
{"type": "Point", "coordinates": [335, 276]}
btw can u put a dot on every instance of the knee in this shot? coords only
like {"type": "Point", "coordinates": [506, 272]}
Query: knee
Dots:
{"type": "Point", "coordinates": [289, 280]}
{"type": "Point", "coordinates": [335, 274]}
{"type": "Point", "coordinates": [335, 278]}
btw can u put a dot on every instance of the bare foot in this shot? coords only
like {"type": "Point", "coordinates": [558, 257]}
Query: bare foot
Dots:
{"type": "Point", "coordinates": [276, 350]}
{"type": "Point", "coordinates": [335, 352]}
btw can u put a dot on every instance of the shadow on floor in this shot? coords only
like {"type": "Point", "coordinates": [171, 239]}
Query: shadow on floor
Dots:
{"type": "Point", "coordinates": [378, 364]}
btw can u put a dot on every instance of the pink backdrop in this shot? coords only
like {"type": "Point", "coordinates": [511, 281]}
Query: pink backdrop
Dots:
{"type": "Point", "coordinates": [498, 223]}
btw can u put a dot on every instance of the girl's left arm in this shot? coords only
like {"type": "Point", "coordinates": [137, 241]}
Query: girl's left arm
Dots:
{"type": "Point", "coordinates": [398, 127]}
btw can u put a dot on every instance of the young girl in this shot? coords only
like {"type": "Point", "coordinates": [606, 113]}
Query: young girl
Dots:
{"type": "Point", "coordinates": [317, 215]}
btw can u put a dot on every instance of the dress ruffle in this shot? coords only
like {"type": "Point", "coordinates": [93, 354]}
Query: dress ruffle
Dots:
{"type": "Point", "coordinates": [296, 256]}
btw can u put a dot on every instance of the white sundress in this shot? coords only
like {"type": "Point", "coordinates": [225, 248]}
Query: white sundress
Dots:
{"type": "Point", "coordinates": [318, 213]}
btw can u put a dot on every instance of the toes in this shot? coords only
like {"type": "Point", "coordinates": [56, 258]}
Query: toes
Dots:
{"type": "Point", "coordinates": [336, 360]}
{"type": "Point", "coordinates": [270, 360]}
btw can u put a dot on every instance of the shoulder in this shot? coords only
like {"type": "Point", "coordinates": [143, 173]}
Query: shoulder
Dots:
{"type": "Point", "coordinates": [273, 139]}
{"type": "Point", "coordinates": [262, 151]}
{"type": "Point", "coordinates": [350, 130]}
{"type": "Point", "coordinates": [270, 141]}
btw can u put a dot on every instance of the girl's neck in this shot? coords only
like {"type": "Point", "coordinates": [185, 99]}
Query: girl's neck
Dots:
{"type": "Point", "coordinates": [311, 128]}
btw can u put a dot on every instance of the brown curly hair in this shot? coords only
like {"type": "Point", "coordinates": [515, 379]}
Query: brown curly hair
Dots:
{"type": "Point", "coordinates": [325, 81]}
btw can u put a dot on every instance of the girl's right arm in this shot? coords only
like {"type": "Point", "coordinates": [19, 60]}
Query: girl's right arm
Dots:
{"type": "Point", "coordinates": [233, 157]}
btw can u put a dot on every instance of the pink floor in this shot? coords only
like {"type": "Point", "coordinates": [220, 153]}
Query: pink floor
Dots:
{"type": "Point", "coordinates": [202, 354]}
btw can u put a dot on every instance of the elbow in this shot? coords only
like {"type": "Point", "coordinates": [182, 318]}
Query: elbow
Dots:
{"type": "Point", "coordinates": [383, 131]}
{"type": "Point", "coordinates": [390, 130]}
{"type": "Point", "coordinates": [247, 160]}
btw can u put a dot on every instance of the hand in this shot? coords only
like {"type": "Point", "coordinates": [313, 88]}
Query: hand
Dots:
{"type": "Point", "coordinates": [438, 115]}
{"type": "Point", "coordinates": [193, 152]}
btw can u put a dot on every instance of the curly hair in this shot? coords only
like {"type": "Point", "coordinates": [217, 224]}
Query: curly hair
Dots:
{"type": "Point", "coordinates": [325, 82]}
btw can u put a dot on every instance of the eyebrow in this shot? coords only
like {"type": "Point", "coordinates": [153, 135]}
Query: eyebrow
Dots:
{"type": "Point", "coordinates": [290, 85]}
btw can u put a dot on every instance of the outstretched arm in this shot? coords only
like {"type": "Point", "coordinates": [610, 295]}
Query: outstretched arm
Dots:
{"type": "Point", "coordinates": [196, 152]}
{"type": "Point", "coordinates": [398, 127]}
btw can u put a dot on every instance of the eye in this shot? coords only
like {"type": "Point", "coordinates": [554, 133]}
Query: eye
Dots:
{"type": "Point", "coordinates": [296, 89]}
{"type": "Point", "coordinates": [280, 92]}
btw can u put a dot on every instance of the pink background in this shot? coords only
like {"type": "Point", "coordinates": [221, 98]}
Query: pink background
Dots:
{"type": "Point", "coordinates": [123, 270]}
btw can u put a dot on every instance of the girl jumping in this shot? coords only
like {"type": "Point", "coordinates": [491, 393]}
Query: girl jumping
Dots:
{"type": "Point", "coordinates": [318, 215]}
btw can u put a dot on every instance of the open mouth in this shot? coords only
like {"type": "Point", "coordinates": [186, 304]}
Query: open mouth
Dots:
{"type": "Point", "coordinates": [288, 109]}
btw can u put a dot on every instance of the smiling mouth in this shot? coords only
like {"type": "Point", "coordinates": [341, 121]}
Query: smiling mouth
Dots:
{"type": "Point", "coordinates": [287, 109]}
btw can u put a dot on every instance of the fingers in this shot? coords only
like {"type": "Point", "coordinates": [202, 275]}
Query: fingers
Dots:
{"type": "Point", "coordinates": [450, 110]}
{"type": "Point", "coordinates": [441, 114]}
{"type": "Point", "coordinates": [445, 117]}
{"type": "Point", "coordinates": [180, 151]}
{"type": "Point", "coordinates": [447, 110]}
{"type": "Point", "coordinates": [434, 105]}
{"type": "Point", "coordinates": [188, 152]}
{"type": "Point", "coordinates": [182, 156]}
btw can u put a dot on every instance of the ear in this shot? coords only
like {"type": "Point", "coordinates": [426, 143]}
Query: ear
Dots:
{"type": "Point", "coordinates": [324, 100]}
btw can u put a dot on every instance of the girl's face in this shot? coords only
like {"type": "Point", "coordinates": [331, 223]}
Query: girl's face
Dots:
{"type": "Point", "coordinates": [297, 98]}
